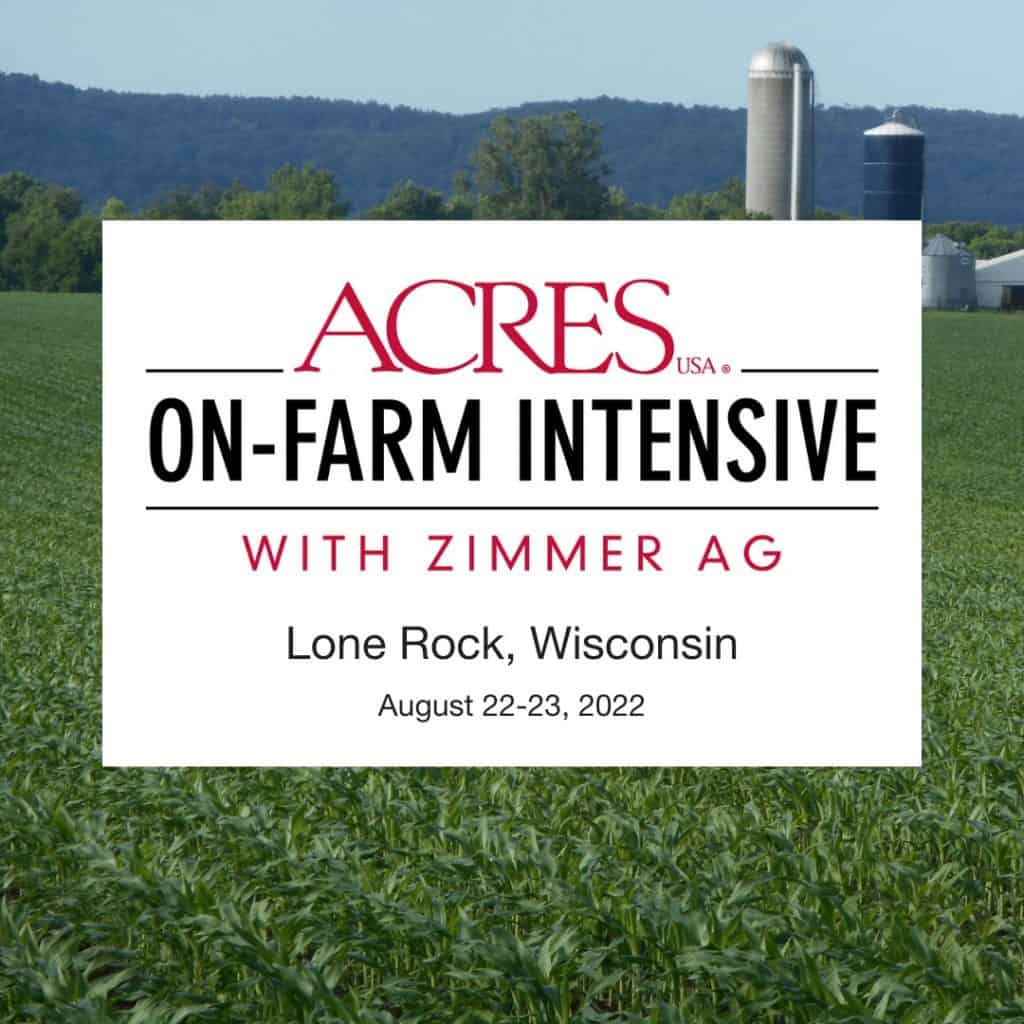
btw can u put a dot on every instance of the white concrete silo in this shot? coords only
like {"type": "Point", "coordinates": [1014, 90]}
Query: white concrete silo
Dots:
{"type": "Point", "coordinates": [780, 133]}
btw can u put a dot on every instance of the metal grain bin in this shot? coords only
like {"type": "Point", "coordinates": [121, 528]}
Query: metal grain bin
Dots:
{"type": "Point", "coordinates": [780, 133]}
{"type": "Point", "coordinates": [949, 276]}
{"type": "Point", "coordinates": [894, 171]}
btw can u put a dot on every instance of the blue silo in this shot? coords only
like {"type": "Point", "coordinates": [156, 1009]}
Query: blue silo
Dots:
{"type": "Point", "coordinates": [894, 171]}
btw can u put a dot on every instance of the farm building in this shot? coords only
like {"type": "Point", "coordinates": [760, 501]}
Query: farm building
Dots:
{"type": "Point", "coordinates": [1001, 281]}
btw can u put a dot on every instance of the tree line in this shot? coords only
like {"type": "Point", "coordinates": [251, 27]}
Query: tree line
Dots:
{"type": "Point", "coordinates": [545, 167]}
{"type": "Point", "coordinates": [539, 168]}
{"type": "Point", "coordinates": [986, 241]}
{"type": "Point", "coordinates": [139, 147]}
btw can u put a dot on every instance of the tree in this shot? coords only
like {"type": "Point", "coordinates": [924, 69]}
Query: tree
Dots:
{"type": "Point", "coordinates": [185, 204]}
{"type": "Point", "coordinates": [31, 231]}
{"type": "Point", "coordinates": [76, 256]}
{"type": "Point", "coordinates": [463, 202]}
{"type": "Point", "coordinates": [307, 194]}
{"type": "Point", "coordinates": [542, 168]}
{"type": "Point", "coordinates": [410, 202]}
{"type": "Point", "coordinates": [728, 203]}
{"type": "Point", "coordinates": [114, 209]}
{"type": "Point", "coordinates": [620, 208]}
{"type": "Point", "coordinates": [13, 189]}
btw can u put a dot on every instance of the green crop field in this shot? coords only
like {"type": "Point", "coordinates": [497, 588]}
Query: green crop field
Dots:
{"type": "Point", "coordinates": [498, 895]}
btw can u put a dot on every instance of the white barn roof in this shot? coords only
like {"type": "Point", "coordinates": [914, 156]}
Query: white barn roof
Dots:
{"type": "Point", "coordinates": [1008, 269]}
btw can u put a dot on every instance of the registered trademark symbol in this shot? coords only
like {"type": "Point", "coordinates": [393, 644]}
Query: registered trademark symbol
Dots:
{"type": "Point", "coordinates": [726, 368]}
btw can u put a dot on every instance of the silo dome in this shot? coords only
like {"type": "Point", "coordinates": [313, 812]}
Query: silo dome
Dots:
{"type": "Point", "coordinates": [780, 133]}
{"type": "Point", "coordinates": [778, 57]}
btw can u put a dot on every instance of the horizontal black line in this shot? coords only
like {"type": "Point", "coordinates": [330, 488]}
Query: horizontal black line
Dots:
{"type": "Point", "coordinates": [512, 508]}
{"type": "Point", "coordinates": [209, 369]}
{"type": "Point", "coordinates": [243, 369]}
{"type": "Point", "coordinates": [811, 370]}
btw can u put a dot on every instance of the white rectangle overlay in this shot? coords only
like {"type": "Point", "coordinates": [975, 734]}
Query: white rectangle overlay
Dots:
{"type": "Point", "coordinates": [722, 570]}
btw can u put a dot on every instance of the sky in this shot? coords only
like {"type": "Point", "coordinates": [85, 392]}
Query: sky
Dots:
{"type": "Point", "coordinates": [460, 56]}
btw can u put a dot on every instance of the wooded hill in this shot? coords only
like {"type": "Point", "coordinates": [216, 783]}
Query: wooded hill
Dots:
{"type": "Point", "coordinates": [137, 146]}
